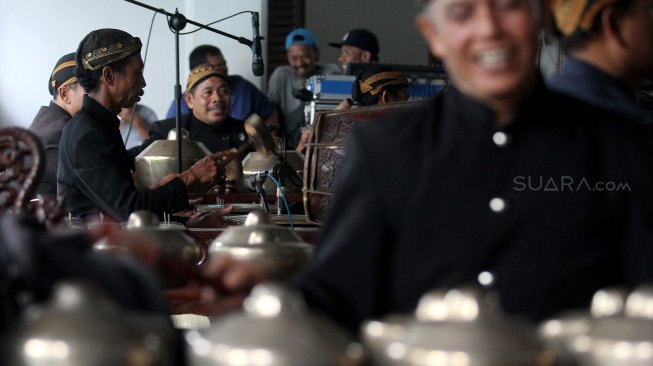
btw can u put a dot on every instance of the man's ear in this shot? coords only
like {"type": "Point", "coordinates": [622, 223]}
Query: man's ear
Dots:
{"type": "Point", "coordinates": [611, 25]}
{"type": "Point", "coordinates": [64, 94]}
{"type": "Point", "coordinates": [108, 74]}
{"type": "Point", "coordinates": [385, 97]}
{"type": "Point", "coordinates": [188, 97]}
{"type": "Point", "coordinates": [426, 27]}
{"type": "Point", "coordinates": [366, 57]}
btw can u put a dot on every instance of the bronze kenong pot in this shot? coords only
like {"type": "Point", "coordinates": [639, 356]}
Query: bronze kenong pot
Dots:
{"type": "Point", "coordinates": [278, 250]}
{"type": "Point", "coordinates": [80, 326]}
{"type": "Point", "coordinates": [617, 331]}
{"type": "Point", "coordinates": [172, 252]}
{"type": "Point", "coordinates": [160, 158]}
{"type": "Point", "coordinates": [456, 327]}
{"type": "Point", "coordinates": [274, 329]}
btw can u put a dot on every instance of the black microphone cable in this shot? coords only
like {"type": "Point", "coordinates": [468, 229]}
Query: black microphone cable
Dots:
{"type": "Point", "coordinates": [147, 47]}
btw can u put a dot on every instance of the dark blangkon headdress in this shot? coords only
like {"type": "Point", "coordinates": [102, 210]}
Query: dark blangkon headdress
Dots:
{"type": "Point", "coordinates": [373, 79]}
{"type": "Point", "coordinates": [203, 72]}
{"type": "Point", "coordinates": [572, 16]}
{"type": "Point", "coordinates": [62, 74]}
{"type": "Point", "coordinates": [103, 47]}
{"type": "Point", "coordinates": [377, 82]}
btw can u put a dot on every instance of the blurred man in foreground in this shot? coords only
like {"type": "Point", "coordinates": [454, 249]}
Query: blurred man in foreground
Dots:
{"type": "Point", "coordinates": [475, 205]}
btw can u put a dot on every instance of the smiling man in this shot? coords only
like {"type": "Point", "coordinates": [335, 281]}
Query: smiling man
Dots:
{"type": "Point", "coordinates": [208, 97]}
{"type": "Point", "coordinates": [303, 54]}
{"type": "Point", "coordinates": [95, 170]}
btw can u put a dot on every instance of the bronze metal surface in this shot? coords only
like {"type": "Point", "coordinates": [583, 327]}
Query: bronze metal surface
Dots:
{"type": "Point", "coordinates": [275, 328]}
{"type": "Point", "coordinates": [278, 250]}
{"type": "Point", "coordinates": [160, 159]}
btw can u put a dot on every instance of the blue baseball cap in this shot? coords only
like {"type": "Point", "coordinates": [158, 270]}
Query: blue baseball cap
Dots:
{"type": "Point", "coordinates": [301, 36]}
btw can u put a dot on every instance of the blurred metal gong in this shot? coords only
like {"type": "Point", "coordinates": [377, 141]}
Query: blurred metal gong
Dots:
{"type": "Point", "coordinates": [456, 327]}
{"type": "Point", "coordinates": [275, 329]}
{"type": "Point", "coordinates": [160, 158]}
{"type": "Point", "coordinates": [80, 326]}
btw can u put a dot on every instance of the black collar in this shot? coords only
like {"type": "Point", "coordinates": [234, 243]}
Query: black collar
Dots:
{"type": "Point", "coordinates": [108, 120]}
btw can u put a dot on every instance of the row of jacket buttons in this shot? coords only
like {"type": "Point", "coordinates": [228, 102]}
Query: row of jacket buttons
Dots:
{"type": "Point", "coordinates": [498, 204]}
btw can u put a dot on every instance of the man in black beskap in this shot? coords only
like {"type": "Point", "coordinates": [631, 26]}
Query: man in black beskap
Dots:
{"type": "Point", "coordinates": [67, 97]}
{"type": "Point", "coordinates": [208, 96]}
{"type": "Point", "coordinates": [95, 170]}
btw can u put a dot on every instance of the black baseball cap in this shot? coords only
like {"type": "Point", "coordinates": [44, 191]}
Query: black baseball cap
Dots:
{"type": "Point", "coordinates": [361, 38]}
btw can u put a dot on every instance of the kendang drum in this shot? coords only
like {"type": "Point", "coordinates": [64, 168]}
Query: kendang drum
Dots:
{"type": "Point", "coordinates": [325, 151]}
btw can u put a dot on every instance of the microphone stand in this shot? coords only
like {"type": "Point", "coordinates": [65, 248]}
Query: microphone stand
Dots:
{"type": "Point", "coordinates": [178, 22]}
{"type": "Point", "coordinates": [261, 193]}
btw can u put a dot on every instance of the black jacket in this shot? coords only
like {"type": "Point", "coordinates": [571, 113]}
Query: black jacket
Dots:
{"type": "Point", "coordinates": [47, 125]}
{"type": "Point", "coordinates": [95, 171]}
{"type": "Point", "coordinates": [428, 200]}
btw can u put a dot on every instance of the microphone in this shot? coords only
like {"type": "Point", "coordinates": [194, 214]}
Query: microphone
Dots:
{"type": "Point", "coordinates": [257, 60]}
{"type": "Point", "coordinates": [254, 182]}
{"type": "Point", "coordinates": [303, 94]}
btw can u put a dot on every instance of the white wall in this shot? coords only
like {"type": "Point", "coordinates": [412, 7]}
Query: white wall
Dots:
{"type": "Point", "coordinates": [35, 33]}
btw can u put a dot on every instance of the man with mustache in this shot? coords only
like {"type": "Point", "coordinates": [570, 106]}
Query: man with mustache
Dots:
{"type": "Point", "coordinates": [246, 98]}
{"type": "Point", "coordinates": [208, 96]}
{"type": "Point", "coordinates": [95, 170]}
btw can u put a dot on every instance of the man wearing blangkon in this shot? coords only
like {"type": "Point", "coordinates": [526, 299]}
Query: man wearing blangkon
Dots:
{"type": "Point", "coordinates": [67, 96]}
{"type": "Point", "coordinates": [94, 167]}
{"type": "Point", "coordinates": [609, 53]}
{"type": "Point", "coordinates": [429, 199]}
{"type": "Point", "coordinates": [246, 98]}
{"type": "Point", "coordinates": [208, 96]}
